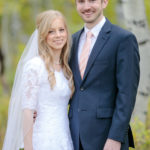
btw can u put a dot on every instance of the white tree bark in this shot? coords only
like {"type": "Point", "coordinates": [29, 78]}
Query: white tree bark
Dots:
{"type": "Point", "coordinates": [6, 39]}
{"type": "Point", "coordinates": [15, 29]}
{"type": "Point", "coordinates": [10, 34]}
{"type": "Point", "coordinates": [35, 4]}
{"type": "Point", "coordinates": [134, 17]}
{"type": "Point", "coordinates": [48, 4]}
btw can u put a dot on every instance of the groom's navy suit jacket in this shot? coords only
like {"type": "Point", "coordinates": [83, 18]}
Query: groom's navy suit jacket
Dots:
{"type": "Point", "coordinates": [104, 99]}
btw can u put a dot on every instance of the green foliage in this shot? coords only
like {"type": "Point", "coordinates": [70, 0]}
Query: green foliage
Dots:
{"type": "Point", "coordinates": [27, 16]}
{"type": "Point", "coordinates": [141, 135]}
{"type": "Point", "coordinates": [147, 7]}
{"type": "Point", "coordinates": [3, 116]}
{"type": "Point", "coordinates": [148, 117]}
{"type": "Point", "coordinates": [141, 132]}
{"type": "Point", "coordinates": [1, 6]}
{"type": "Point", "coordinates": [68, 8]}
{"type": "Point", "coordinates": [110, 11]}
{"type": "Point", "coordinates": [27, 20]}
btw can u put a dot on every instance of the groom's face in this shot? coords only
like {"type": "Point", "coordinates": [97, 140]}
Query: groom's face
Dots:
{"type": "Point", "coordinates": [91, 11]}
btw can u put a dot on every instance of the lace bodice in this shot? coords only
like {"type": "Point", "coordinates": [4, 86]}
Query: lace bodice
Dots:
{"type": "Point", "coordinates": [51, 128]}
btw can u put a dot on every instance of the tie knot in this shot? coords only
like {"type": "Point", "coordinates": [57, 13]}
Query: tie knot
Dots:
{"type": "Point", "coordinates": [89, 35]}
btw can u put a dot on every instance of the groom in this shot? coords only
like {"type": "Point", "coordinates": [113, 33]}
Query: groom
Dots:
{"type": "Point", "coordinates": [105, 65]}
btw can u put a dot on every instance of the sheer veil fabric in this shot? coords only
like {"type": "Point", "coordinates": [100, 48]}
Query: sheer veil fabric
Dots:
{"type": "Point", "coordinates": [15, 132]}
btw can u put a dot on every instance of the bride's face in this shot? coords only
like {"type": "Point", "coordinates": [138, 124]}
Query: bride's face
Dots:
{"type": "Point", "coordinates": [57, 35]}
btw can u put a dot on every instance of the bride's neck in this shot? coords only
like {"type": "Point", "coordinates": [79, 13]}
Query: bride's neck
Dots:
{"type": "Point", "coordinates": [56, 56]}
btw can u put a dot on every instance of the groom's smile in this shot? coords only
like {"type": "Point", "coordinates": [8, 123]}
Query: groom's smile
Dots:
{"type": "Point", "coordinates": [91, 11]}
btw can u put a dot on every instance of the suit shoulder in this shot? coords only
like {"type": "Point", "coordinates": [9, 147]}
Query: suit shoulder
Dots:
{"type": "Point", "coordinates": [121, 33]}
{"type": "Point", "coordinates": [76, 34]}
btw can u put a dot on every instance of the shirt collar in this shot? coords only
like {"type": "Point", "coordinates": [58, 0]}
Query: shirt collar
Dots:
{"type": "Point", "coordinates": [96, 29]}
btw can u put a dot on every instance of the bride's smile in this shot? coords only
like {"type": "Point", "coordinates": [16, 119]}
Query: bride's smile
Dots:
{"type": "Point", "coordinates": [57, 35]}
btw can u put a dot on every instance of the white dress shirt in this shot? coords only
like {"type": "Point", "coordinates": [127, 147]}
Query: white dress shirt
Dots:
{"type": "Point", "coordinates": [95, 31]}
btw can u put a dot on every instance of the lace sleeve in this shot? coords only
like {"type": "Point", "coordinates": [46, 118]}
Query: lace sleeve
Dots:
{"type": "Point", "coordinates": [30, 86]}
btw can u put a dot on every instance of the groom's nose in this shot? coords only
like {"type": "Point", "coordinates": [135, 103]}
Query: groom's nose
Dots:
{"type": "Point", "coordinates": [86, 5]}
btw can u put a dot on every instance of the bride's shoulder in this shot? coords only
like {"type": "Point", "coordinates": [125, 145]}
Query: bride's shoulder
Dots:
{"type": "Point", "coordinates": [37, 60]}
{"type": "Point", "coordinates": [35, 63]}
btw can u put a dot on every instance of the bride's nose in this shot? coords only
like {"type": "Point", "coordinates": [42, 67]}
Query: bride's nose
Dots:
{"type": "Point", "coordinates": [58, 33]}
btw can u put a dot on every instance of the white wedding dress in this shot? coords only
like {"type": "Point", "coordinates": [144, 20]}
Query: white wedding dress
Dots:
{"type": "Point", "coordinates": [51, 128]}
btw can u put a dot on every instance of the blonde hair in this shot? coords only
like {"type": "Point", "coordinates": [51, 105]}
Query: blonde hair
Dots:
{"type": "Point", "coordinates": [44, 21]}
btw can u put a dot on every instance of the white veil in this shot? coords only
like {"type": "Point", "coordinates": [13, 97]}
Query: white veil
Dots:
{"type": "Point", "coordinates": [14, 133]}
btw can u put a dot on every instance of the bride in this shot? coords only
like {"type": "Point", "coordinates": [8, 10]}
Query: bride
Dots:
{"type": "Point", "coordinates": [43, 83]}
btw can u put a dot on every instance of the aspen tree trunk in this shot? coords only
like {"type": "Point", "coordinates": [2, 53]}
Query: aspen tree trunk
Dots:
{"type": "Point", "coordinates": [132, 14]}
{"type": "Point", "coordinates": [6, 39]}
{"type": "Point", "coordinates": [15, 29]}
{"type": "Point", "coordinates": [5, 45]}
{"type": "Point", "coordinates": [47, 4]}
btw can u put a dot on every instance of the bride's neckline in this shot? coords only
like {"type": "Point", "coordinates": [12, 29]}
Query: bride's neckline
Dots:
{"type": "Point", "coordinates": [57, 71]}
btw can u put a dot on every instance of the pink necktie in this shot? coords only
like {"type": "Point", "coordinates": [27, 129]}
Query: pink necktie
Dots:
{"type": "Point", "coordinates": [85, 53]}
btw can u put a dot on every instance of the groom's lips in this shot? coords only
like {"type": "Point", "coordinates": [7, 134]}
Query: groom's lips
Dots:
{"type": "Point", "coordinates": [87, 14]}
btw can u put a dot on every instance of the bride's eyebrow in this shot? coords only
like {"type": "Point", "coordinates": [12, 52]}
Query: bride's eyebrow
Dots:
{"type": "Point", "coordinates": [55, 28]}
{"type": "Point", "coordinates": [51, 29]}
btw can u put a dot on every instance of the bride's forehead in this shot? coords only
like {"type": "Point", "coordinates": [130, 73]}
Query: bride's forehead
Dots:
{"type": "Point", "coordinates": [58, 22]}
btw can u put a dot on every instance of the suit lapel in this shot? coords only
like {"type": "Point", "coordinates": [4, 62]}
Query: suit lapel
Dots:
{"type": "Point", "coordinates": [76, 70]}
{"type": "Point", "coordinates": [99, 44]}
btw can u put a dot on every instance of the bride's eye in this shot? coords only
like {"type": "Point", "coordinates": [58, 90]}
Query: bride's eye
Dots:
{"type": "Point", "coordinates": [50, 32]}
{"type": "Point", "coordinates": [62, 30]}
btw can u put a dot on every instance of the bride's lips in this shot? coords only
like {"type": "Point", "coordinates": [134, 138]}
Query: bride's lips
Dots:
{"type": "Point", "coordinates": [58, 41]}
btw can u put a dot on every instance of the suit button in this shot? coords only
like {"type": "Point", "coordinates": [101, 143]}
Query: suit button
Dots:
{"type": "Point", "coordinates": [82, 89]}
{"type": "Point", "coordinates": [78, 110]}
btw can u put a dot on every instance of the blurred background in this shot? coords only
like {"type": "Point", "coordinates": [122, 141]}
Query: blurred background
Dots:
{"type": "Point", "coordinates": [17, 22]}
